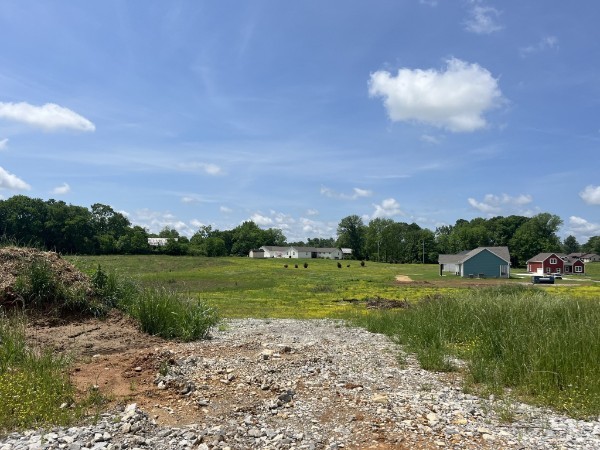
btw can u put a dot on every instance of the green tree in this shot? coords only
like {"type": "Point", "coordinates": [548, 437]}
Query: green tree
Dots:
{"type": "Point", "coordinates": [375, 238]}
{"type": "Point", "coordinates": [536, 235]}
{"type": "Point", "coordinates": [570, 245]}
{"type": "Point", "coordinates": [351, 234]}
{"type": "Point", "coordinates": [215, 247]}
{"type": "Point", "coordinates": [592, 245]}
{"type": "Point", "coordinates": [246, 237]}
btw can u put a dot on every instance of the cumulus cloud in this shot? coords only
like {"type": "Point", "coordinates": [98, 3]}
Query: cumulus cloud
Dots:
{"type": "Point", "coordinates": [261, 220]}
{"type": "Point", "coordinates": [196, 223]}
{"type": "Point", "coordinates": [312, 212]}
{"type": "Point", "coordinates": [208, 168]}
{"type": "Point", "coordinates": [356, 193]}
{"type": "Point", "coordinates": [225, 210]}
{"type": "Point", "coordinates": [155, 221]}
{"type": "Point", "coordinates": [455, 98]}
{"type": "Point", "coordinates": [3, 143]}
{"type": "Point", "coordinates": [483, 20]}
{"type": "Point", "coordinates": [493, 204]}
{"type": "Point", "coordinates": [546, 43]}
{"type": "Point", "coordinates": [388, 208]}
{"type": "Point", "coordinates": [188, 199]}
{"type": "Point", "coordinates": [581, 227]}
{"type": "Point", "coordinates": [62, 189]}
{"type": "Point", "coordinates": [49, 117]}
{"type": "Point", "coordinates": [591, 195]}
{"type": "Point", "coordinates": [10, 181]}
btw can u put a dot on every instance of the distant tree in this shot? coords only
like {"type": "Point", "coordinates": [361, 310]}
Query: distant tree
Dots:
{"type": "Point", "coordinates": [351, 234]}
{"type": "Point", "coordinates": [246, 237]}
{"type": "Point", "coordinates": [592, 245]}
{"type": "Point", "coordinates": [135, 242]}
{"type": "Point", "coordinates": [375, 238]}
{"type": "Point", "coordinates": [215, 247]}
{"type": "Point", "coordinates": [167, 232]}
{"type": "Point", "coordinates": [273, 236]}
{"type": "Point", "coordinates": [536, 235]}
{"type": "Point", "coordinates": [570, 245]}
{"type": "Point", "coordinates": [319, 242]}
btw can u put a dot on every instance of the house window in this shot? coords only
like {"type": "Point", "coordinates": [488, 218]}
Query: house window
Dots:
{"type": "Point", "coordinates": [552, 260]}
{"type": "Point", "coordinates": [578, 269]}
{"type": "Point", "coordinates": [558, 270]}
{"type": "Point", "coordinates": [547, 269]}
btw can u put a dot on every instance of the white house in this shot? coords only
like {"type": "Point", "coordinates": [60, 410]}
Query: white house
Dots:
{"type": "Point", "coordinates": [297, 252]}
{"type": "Point", "coordinates": [158, 242]}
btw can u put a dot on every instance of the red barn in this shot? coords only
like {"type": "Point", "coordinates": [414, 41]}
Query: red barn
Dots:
{"type": "Point", "coordinates": [555, 263]}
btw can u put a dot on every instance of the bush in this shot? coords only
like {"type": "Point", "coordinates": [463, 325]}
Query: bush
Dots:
{"type": "Point", "coordinates": [164, 313]}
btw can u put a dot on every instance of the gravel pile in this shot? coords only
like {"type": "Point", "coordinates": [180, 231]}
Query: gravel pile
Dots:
{"type": "Point", "coordinates": [287, 384]}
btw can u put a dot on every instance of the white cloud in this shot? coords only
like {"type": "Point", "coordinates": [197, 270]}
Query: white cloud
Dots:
{"type": "Point", "coordinates": [48, 117]}
{"type": "Point", "coordinates": [188, 199]}
{"type": "Point", "coordinates": [261, 220]}
{"type": "Point", "coordinates": [591, 195]}
{"type": "Point", "coordinates": [3, 143]}
{"type": "Point", "coordinates": [388, 208]}
{"type": "Point", "coordinates": [196, 223]}
{"type": "Point", "coordinates": [546, 43]}
{"type": "Point", "coordinates": [357, 193]}
{"type": "Point", "coordinates": [454, 99]}
{"type": "Point", "coordinates": [493, 204]}
{"type": "Point", "coordinates": [431, 3]}
{"type": "Point", "coordinates": [155, 221]}
{"type": "Point", "coordinates": [208, 168]}
{"type": "Point", "coordinates": [312, 212]}
{"type": "Point", "coordinates": [483, 20]}
{"type": "Point", "coordinates": [316, 228]}
{"type": "Point", "coordinates": [62, 189]}
{"type": "Point", "coordinates": [582, 228]}
{"type": "Point", "coordinates": [430, 139]}
{"type": "Point", "coordinates": [10, 181]}
{"type": "Point", "coordinates": [225, 210]}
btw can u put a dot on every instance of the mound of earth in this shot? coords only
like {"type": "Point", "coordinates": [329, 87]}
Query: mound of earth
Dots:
{"type": "Point", "coordinates": [15, 261]}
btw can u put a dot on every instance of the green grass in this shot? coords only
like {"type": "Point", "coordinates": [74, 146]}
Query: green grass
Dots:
{"type": "Point", "coordinates": [544, 347]}
{"type": "Point", "coordinates": [34, 383]}
{"type": "Point", "coordinates": [244, 287]}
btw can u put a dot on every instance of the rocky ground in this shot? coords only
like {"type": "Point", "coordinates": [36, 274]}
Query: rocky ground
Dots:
{"type": "Point", "coordinates": [283, 384]}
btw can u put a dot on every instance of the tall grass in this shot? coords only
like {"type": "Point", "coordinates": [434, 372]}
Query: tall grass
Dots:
{"type": "Point", "coordinates": [546, 348]}
{"type": "Point", "coordinates": [167, 314]}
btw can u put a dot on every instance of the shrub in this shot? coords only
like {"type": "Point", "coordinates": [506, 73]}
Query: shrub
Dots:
{"type": "Point", "coordinates": [339, 264]}
{"type": "Point", "coordinates": [306, 265]}
{"type": "Point", "coordinates": [164, 313]}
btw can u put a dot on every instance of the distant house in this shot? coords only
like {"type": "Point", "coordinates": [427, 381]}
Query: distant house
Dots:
{"type": "Point", "coordinates": [346, 253]}
{"type": "Point", "coordinates": [555, 263]}
{"type": "Point", "coordinates": [482, 262]}
{"type": "Point", "coordinates": [274, 251]}
{"type": "Point", "coordinates": [296, 252]}
{"type": "Point", "coordinates": [585, 257]}
{"type": "Point", "coordinates": [258, 253]}
{"type": "Point", "coordinates": [159, 242]}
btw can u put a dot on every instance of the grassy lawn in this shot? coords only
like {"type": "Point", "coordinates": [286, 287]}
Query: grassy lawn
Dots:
{"type": "Point", "coordinates": [244, 287]}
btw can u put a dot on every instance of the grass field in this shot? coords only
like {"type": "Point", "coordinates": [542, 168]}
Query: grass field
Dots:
{"type": "Point", "coordinates": [244, 287]}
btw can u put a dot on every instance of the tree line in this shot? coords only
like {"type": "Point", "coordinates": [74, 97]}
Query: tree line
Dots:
{"type": "Point", "coordinates": [70, 229]}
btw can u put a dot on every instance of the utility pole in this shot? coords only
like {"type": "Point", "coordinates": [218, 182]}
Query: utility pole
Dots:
{"type": "Point", "coordinates": [423, 251]}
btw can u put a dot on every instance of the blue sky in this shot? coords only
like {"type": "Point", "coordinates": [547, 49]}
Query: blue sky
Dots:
{"type": "Point", "coordinates": [297, 114]}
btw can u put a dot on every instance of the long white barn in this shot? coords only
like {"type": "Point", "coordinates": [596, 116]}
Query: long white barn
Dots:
{"type": "Point", "coordinates": [267, 251]}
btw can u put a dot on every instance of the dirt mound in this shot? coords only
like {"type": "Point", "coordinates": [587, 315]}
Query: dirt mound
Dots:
{"type": "Point", "coordinates": [15, 261]}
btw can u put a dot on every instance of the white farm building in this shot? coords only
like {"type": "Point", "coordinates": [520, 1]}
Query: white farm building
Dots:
{"type": "Point", "coordinates": [267, 251]}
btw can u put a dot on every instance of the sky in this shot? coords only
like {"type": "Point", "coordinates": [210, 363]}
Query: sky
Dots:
{"type": "Point", "coordinates": [295, 115]}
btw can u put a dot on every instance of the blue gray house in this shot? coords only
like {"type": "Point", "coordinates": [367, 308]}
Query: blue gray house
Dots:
{"type": "Point", "coordinates": [483, 262]}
